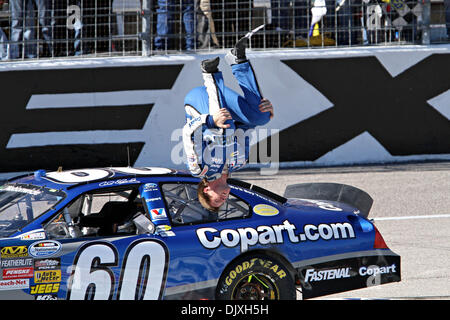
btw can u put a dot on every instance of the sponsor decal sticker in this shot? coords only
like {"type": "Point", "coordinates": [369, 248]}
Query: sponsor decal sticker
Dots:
{"type": "Point", "coordinates": [330, 274]}
{"type": "Point", "coordinates": [14, 263]}
{"type": "Point", "coordinates": [47, 264]}
{"type": "Point", "coordinates": [153, 199]}
{"type": "Point", "coordinates": [117, 182]}
{"type": "Point", "coordinates": [44, 248]}
{"type": "Point", "coordinates": [323, 205]}
{"type": "Point", "coordinates": [14, 284]}
{"type": "Point", "coordinates": [14, 252]}
{"type": "Point", "coordinates": [17, 273]}
{"type": "Point", "coordinates": [47, 276]}
{"type": "Point", "coordinates": [165, 231]}
{"type": "Point", "coordinates": [374, 270]}
{"type": "Point", "coordinates": [158, 214]}
{"type": "Point", "coordinates": [313, 275]}
{"type": "Point", "coordinates": [150, 186]}
{"type": "Point", "coordinates": [33, 236]}
{"type": "Point", "coordinates": [44, 288]}
{"type": "Point", "coordinates": [212, 238]}
{"type": "Point", "coordinates": [265, 210]}
{"type": "Point", "coordinates": [47, 297]}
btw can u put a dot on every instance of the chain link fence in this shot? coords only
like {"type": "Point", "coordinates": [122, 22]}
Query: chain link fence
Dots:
{"type": "Point", "coordinates": [33, 29]}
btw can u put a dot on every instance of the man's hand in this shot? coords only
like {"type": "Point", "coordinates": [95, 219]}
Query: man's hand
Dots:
{"type": "Point", "coordinates": [266, 106]}
{"type": "Point", "coordinates": [220, 117]}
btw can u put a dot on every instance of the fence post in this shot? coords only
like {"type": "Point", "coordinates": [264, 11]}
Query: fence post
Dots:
{"type": "Point", "coordinates": [426, 12]}
{"type": "Point", "coordinates": [146, 28]}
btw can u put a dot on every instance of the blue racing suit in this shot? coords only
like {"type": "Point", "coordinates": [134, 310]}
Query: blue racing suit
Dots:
{"type": "Point", "coordinates": [212, 151]}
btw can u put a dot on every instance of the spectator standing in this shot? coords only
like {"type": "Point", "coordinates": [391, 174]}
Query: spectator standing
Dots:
{"type": "Point", "coordinates": [121, 8]}
{"type": "Point", "coordinates": [3, 46]}
{"type": "Point", "coordinates": [205, 25]}
{"type": "Point", "coordinates": [164, 24]}
{"type": "Point", "coordinates": [447, 16]}
{"type": "Point", "coordinates": [23, 27]}
{"type": "Point", "coordinates": [346, 34]}
{"type": "Point", "coordinates": [291, 16]}
{"type": "Point", "coordinates": [92, 26]}
{"type": "Point", "coordinates": [280, 14]}
{"type": "Point", "coordinates": [76, 10]}
{"type": "Point", "coordinates": [4, 55]}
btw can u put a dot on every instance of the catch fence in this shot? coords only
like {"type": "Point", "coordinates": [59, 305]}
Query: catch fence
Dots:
{"type": "Point", "coordinates": [33, 29]}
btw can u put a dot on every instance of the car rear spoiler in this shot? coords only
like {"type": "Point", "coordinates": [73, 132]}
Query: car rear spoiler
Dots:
{"type": "Point", "coordinates": [332, 192]}
{"type": "Point", "coordinates": [260, 190]}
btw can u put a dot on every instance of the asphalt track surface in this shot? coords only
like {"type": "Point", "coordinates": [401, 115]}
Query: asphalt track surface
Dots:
{"type": "Point", "coordinates": [411, 209]}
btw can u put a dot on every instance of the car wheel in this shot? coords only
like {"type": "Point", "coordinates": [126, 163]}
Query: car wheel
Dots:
{"type": "Point", "coordinates": [256, 277]}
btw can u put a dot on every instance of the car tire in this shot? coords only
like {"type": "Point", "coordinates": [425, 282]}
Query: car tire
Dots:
{"type": "Point", "coordinates": [256, 277]}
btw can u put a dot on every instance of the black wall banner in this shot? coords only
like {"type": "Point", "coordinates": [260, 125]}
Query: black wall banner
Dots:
{"type": "Point", "coordinates": [93, 113]}
{"type": "Point", "coordinates": [367, 98]}
{"type": "Point", "coordinates": [18, 88]}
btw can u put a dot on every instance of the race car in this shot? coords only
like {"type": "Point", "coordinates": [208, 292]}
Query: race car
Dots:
{"type": "Point", "coordinates": [140, 233]}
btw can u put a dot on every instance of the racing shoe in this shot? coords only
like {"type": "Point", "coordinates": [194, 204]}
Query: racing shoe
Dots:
{"type": "Point", "coordinates": [210, 65]}
{"type": "Point", "coordinates": [237, 54]}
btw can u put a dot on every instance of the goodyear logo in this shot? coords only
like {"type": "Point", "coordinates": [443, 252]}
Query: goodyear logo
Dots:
{"type": "Point", "coordinates": [14, 252]}
{"type": "Point", "coordinates": [265, 210]}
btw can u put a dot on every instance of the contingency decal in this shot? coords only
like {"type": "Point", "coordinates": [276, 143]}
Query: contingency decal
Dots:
{"type": "Point", "coordinates": [21, 270]}
{"type": "Point", "coordinates": [45, 248]}
{"type": "Point", "coordinates": [47, 278]}
{"type": "Point", "coordinates": [211, 238]}
{"type": "Point", "coordinates": [265, 210]}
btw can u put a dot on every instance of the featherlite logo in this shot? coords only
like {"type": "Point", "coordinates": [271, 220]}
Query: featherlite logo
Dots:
{"type": "Point", "coordinates": [211, 238]}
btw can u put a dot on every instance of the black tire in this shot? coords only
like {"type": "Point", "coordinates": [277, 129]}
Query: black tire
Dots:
{"type": "Point", "coordinates": [256, 277]}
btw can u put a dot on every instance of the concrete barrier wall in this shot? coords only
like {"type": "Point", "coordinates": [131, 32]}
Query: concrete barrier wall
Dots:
{"type": "Point", "coordinates": [332, 107]}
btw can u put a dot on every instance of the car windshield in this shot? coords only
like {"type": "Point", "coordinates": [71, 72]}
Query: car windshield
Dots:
{"type": "Point", "coordinates": [20, 204]}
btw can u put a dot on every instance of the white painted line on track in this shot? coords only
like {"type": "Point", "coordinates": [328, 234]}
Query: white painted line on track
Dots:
{"type": "Point", "coordinates": [432, 216]}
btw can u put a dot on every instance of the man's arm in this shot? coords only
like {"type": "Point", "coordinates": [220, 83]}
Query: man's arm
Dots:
{"type": "Point", "coordinates": [266, 106]}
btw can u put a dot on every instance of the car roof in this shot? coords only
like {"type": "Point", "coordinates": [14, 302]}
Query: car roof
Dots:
{"type": "Point", "coordinates": [67, 179]}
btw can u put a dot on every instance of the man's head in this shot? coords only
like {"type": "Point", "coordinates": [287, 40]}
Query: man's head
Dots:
{"type": "Point", "coordinates": [212, 194]}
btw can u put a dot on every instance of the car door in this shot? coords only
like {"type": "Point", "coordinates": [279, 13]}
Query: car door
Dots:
{"type": "Point", "coordinates": [194, 269]}
{"type": "Point", "coordinates": [103, 254]}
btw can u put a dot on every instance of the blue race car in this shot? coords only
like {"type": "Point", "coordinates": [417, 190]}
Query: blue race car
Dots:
{"type": "Point", "coordinates": [140, 233]}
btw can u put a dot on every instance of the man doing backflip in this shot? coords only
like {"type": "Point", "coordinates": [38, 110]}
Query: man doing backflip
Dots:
{"type": "Point", "coordinates": [220, 116]}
